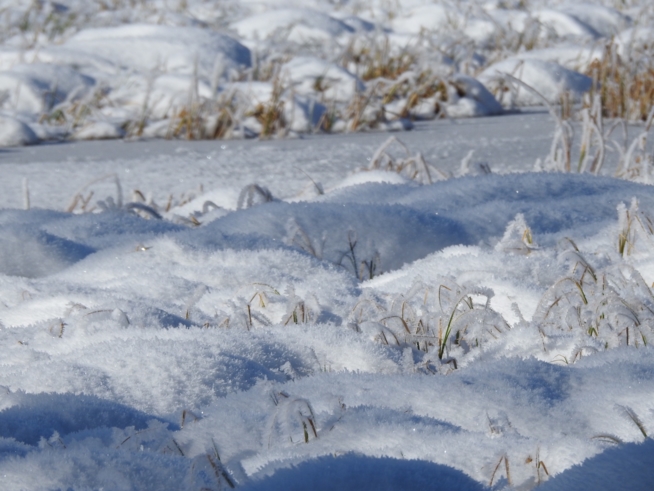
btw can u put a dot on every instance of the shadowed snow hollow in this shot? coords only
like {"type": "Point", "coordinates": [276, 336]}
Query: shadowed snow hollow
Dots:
{"type": "Point", "coordinates": [347, 233]}
{"type": "Point", "coordinates": [354, 472]}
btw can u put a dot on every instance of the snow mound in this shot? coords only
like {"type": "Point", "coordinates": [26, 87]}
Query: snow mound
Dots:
{"type": "Point", "coordinates": [550, 79]}
{"type": "Point", "coordinates": [294, 24]}
{"type": "Point", "coordinates": [606, 21]}
{"type": "Point", "coordinates": [331, 81]}
{"type": "Point", "coordinates": [470, 98]}
{"type": "Point", "coordinates": [484, 205]}
{"type": "Point", "coordinates": [440, 17]}
{"type": "Point", "coordinates": [99, 130]}
{"type": "Point", "coordinates": [509, 19]}
{"type": "Point", "coordinates": [357, 23]}
{"type": "Point", "coordinates": [147, 48]}
{"type": "Point", "coordinates": [428, 17]}
{"type": "Point", "coordinates": [634, 40]}
{"type": "Point", "coordinates": [14, 132]}
{"type": "Point", "coordinates": [38, 87]}
{"type": "Point", "coordinates": [36, 254]}
{"type": "Point", "coordinates": [162, 97]}
{"type": "Point", "coordinates": [300, 113]}
{"type": "Point", "coordinates": [30, 417]}
{"type": "Point", "coordinates": [562, 24]}
{"type": "Point", "coordinates": [573, 57]}
{"type": "Point", "coordinates": [371, 176]}
{"type": "Point", "coordinates": [352, 472]}
{"type": "Point", "coordinates": [627, 466]}
{"type": "Point", "coordinates": [330, 230]}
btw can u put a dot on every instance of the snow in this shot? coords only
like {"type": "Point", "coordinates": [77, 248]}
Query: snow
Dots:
{"type": "Point", "coordinates": [73, 70]}
{"type": "Point", "coordinates": [298, 25]}
{"type": "Point", "coordinates": [634, 39]}
{"type": "Point", "coordinates": [549, 79]}
{"type": "Point", "coordinates": [350, 311]}
{"type": "Point", "coordinates": [563, 24]}
{"type": "Point", "coordinates": [604, 20]}
{"type": "Point", "coordinates": [477, 100]}
{"type": "Point", "coordinates": [146, 320]}
{"type": "Point", "coordinates": [338, 83]}
{"type": "Point", "coordinates": [37, 87]}
{"type": "Point", "coordinates": [429, 17]}
{"type": "Point", "coordinates": [146, 48]}
{"type": "Point", "coordinates": [14, 132]}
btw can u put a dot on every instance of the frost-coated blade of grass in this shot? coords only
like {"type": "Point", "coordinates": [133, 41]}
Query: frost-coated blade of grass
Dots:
{"type": "Point", "coordinates": [561, 149]}
{"type": "Point", "coordinates": [631, 414]}
{"type": "Point", "coordinates": [119, 191]}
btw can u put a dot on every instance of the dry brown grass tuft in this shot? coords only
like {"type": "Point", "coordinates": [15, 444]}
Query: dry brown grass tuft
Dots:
{"type": "Point", "coordinates": [375, 60]}
{"type": "Point", "coordinates": [625, 85]}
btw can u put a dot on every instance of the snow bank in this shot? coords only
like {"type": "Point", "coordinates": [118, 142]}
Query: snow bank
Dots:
{"type": "Point", "coordinates": [91, 72]}
{"type": "Point", "coordinates": [563, 24]}
{"type": "Point", "coordinates": [309, 75]}
{"type": "Point", "coordinates": [428, 17]}
{"type": "Point", "coordinates": [470, 98]}
{"type": "Point", "coordinates": [99, 130]}
{"type": "Point", "coordinates": [152, 48]}
{"type": "Point", "coordinates": [356, 472]}
{"type": "Point", "coordinates": [550, 79]}
{"type": "Point", "coordinates": [605, 21]}
{"type": "Point", "coordinates": [294, 24]}
{"type": "Point", "coordinates": [634, 40]}
{"type": "Point", "coordinates": [36, 88]}
{"type": "Point", "coordinates": [14, 132]}
{"type": "Point", "coordinates": [443, 17]}
{"type": "Point", "coordinates": [627, 466]}
{"type": "Point", "coordinates": [572, 57]}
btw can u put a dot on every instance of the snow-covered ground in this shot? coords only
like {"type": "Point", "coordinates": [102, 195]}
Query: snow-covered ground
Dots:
{"type": "Point", "coordinates": [309, 320]}
{"type": "Point", "coordinates": [243, 68]}
{"type": "Point", "coordinates": [428, 310]}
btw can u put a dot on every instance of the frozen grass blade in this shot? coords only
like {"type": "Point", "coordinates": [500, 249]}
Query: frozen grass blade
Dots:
{"type": "Point", "coordinates": [631, 414]}
{"type": "Point", "coordinates": [504, 458]}
{"type": "Point", "coordinates": [606, 437]}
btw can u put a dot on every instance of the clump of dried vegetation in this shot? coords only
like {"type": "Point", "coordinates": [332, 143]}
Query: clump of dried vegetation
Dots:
{"type": "Point", "coordinates": [624, 80]}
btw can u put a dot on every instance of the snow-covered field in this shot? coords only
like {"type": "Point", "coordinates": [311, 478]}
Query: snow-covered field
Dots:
{"type": "Point", "coordinates": [244, 68]}
{"type": "Point", "coordinates": [429, 310]}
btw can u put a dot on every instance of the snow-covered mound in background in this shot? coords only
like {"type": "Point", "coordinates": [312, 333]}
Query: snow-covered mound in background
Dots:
{"type": "Point", "coordinates": [551, 80]}
{"type": "Point", "coordinates": [14, 132]}
{"type": "Point", "coordinates": [337, 83]}
{"type": "Point", "coordinates": [298, 25]}
{"type": "Point", "coordinates": [93, 70]}
{"type": "Point", "coordinates": [36, 88]}
{"type": "Point", "coordinates": [150, 48]}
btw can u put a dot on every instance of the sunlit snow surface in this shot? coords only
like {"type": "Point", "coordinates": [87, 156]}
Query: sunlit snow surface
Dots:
{"type": "Point", "coordinates": [137, 350]}
{"type": "Point", "coordinates": [191, 68]}
{"type": "Point", "coordinates": [167, 325]}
